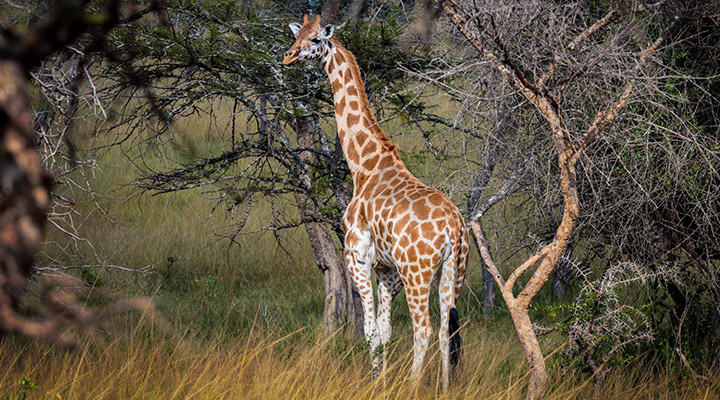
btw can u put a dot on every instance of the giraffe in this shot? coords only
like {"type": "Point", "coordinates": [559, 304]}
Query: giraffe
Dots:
{"type": "Point", "coordinates": [409, 233]}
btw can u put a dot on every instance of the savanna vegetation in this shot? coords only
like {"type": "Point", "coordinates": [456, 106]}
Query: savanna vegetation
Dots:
{"type": "Point", "coordinates": [191, 236]}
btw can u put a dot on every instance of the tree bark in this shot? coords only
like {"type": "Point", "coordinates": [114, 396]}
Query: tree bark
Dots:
{"type": "Point", "coordinates": [476, 190]}
{"type": "Point", "coordinates": [329, 11]}
{"type": "Point", "coordinates": [334, 278]}
{"type": "Point", "coordinates": [533, 354]}
{"type": "Point", "coordinates": [561, 277]}
{"type": "Point", "coordinates": [341, 306]}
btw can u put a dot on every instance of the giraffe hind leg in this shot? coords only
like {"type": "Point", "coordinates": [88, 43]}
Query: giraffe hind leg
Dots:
{"type": "Point", "coordinates": [446, 292]}
{"type": "Point", "coordinates": [454, 323]}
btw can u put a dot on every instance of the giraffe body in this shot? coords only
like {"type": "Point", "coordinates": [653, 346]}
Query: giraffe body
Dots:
{"type": "Point", "coordinates": [409, 233]}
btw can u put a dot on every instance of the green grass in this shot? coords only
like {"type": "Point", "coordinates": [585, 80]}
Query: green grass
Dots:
{"type": "Point", "coordinates": [199, 280]}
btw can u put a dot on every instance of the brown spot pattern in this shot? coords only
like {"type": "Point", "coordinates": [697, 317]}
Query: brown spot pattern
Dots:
{"type": "Point", "coordinates": [369, 149]}
{"type": "Point", "coordinates": [340, 106]}
{"type": "Point", "coordinates": [353, 155]}
{"type": "Point", "coordinates": [386, 162]}
{"type": "Point", "coordinates": [370, 163]}
{"type": "Point", "coordinates": [336, 85]}
{"type": "Point", "coordinates": [421, 210]}
{"type": "Point", "coordinates": [352, 119]}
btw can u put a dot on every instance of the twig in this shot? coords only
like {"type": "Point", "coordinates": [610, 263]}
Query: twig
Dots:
{"type": "Point", "coordinates": [148, 269]}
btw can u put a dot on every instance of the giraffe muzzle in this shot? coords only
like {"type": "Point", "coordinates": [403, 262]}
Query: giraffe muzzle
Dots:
{"type": "Point", "coordinates": [291, 57]}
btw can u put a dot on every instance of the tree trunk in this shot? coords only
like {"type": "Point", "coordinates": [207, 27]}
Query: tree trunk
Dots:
{"type": "Point", "coordinates": [340, 304]}
{"type": "Point", "coordinates": [334, 276]}
{"type": "Point", "coordinates": [531, 348]}
{"type": "Point", "coordinates": [561, 277]}
{"type": "Point", "coordinates": [329, 11]}
{"type": "Point", "coordinates": [503, 125]}
{"type": "Point", "coordinates": [488, 288]}
{"type": "Point", "coordinates": [569, 149]}
{"type": "Point", "coordinates": [476, 190]}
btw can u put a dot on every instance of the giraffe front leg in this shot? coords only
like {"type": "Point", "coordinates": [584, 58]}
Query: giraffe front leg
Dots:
{"type": "Point", "coordinates": [358, 262]}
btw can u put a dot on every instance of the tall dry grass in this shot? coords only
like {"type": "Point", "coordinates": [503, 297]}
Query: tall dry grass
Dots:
{"type": "Point", "coordinates": [243, 322]}
{"type": "Point", "coordinates": [150, 363]}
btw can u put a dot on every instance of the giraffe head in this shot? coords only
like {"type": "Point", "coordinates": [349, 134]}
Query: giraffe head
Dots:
{"type": "Point", "coordinates": [310, 40]}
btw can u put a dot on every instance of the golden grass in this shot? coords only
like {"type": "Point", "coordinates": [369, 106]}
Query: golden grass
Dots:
{"type": "Point", "coordinates": [151, 364]}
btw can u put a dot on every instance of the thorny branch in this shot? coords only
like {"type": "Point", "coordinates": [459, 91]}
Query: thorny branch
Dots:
{"type": "Point", "coordinates": [568, 147]}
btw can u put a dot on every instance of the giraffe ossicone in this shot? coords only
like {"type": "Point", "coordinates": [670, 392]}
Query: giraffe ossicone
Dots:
{"type": "Point", "coordinates": [407, 232]}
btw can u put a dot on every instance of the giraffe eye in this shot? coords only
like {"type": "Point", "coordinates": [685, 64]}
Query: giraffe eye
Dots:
{"type": "Point", "coordinates": [315, 40]}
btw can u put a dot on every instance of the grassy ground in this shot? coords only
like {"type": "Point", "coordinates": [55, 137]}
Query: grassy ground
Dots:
{"type": "Point", "coordinates": [152, 363]}
{"type": "Point", "coordinates": [243, 321]}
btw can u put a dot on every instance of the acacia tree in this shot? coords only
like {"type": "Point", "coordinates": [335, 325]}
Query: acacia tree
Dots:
{"type": "Point", "coordinates": [560, 58]}
{"type": "Point", "coordinates": [274, 148]}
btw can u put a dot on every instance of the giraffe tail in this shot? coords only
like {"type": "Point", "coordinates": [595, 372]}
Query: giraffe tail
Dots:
{"type": "Point", "coordinates": [455, 340]}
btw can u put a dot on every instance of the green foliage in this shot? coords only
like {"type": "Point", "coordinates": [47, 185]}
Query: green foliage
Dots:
{"type": "Point", "coordinates": [91, 278]}
{"type": "Point", "coordinates": [219, 51]}
{"type": "Point", "coordinates": [25, 385]}
{"type": "Point", "coordinates": [607, 324]}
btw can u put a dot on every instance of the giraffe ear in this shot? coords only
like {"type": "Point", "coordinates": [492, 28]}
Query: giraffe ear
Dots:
{"type": "Point", "coordinates": [295, 27]}
{"type": "Point", "coordinates": [326, 32]}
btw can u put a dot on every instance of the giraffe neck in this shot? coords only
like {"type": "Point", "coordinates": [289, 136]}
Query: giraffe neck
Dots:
{"type": "Point", "coordinates": [364, 143]}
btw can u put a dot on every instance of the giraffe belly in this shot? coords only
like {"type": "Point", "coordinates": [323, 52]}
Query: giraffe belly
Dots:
{"type": "Point", "coordinates": [383, 254]}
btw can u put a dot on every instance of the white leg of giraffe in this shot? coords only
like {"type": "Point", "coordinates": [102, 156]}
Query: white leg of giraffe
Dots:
{"type": "Point", "coordinates": [388, 288]}
{"type": "Point", "coordinates": [422, 329]}
{"type": "Point", "coordinates": [446, 295]}
{"type": "Point", "coordinates": [359, 259]}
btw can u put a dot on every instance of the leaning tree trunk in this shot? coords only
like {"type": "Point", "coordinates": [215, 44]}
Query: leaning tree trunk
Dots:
{"type": "Point", "coordinates": [568, 148]}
